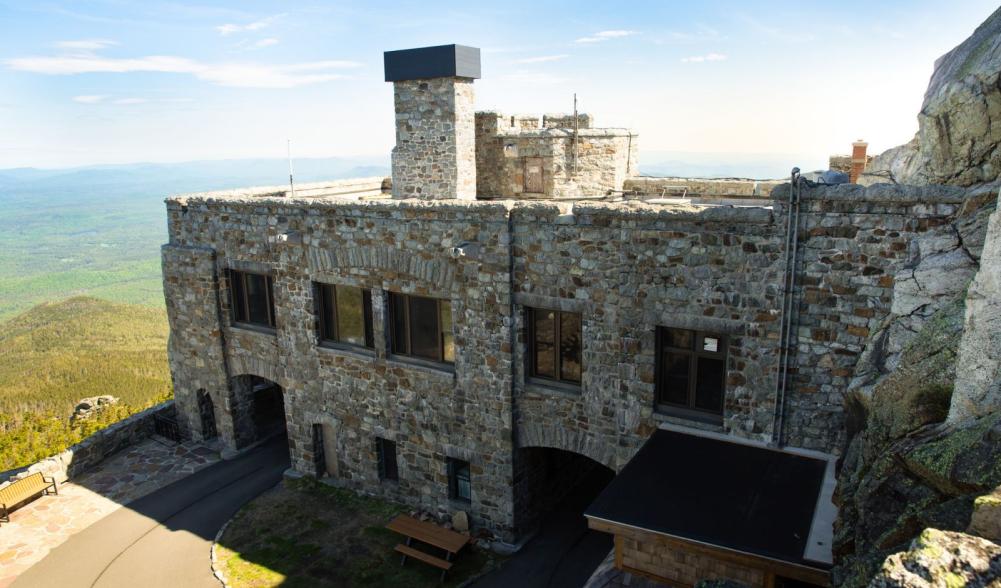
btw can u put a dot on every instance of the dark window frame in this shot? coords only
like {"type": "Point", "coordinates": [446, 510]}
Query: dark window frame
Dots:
{"type": "Point", "coordinates": [330, 325]}
{"type": "Point", "coordinates": [240, 300]}
{"type": "Point", "coordinates": [532, 357]}
{"type": "Point", "coordinates": [388, 468]}
{"type": "Point", "coordinates": [455, 468]}
{"type": "Point", "coordinates": [690, 409]}
{"type": "Point", "coordinates": [406, 349]}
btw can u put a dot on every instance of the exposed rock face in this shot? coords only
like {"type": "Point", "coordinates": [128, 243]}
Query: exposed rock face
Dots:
{"type": "Point", "coordinates": [90, 407]}
{"type": "Point", "coordinates": [941, 263]}
{"type": "Point", "coordinates": [908, 470]}
{"type": "Point", "coordinates": [959, 126]}
{"type": "Point", "coordinates": [978, 380]}
{"type": "Point", "coordinates": [943, 559]}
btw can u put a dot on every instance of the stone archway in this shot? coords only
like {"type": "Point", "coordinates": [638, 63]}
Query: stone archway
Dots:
{"type": "Point", "coordinates": [551, 481]}
{"type": "Point", "coordinates": [568, 439]}
{"type": "Point", "coordinates": [206, 414]}
{"type": "Point", "coordinates": [257, 407]}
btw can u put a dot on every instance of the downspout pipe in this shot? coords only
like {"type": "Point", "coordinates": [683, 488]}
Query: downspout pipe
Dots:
{"type": "Point", "coordinates": [788, 304]}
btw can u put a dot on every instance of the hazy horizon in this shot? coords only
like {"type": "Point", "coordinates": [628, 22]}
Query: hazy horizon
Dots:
{"type": "Point", "coordinates": [655, 163]}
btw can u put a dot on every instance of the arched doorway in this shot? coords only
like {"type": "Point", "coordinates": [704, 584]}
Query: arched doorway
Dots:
{"type": "Point", "coordinates": [258, 409]}
{"type": "Point", "coordinates": [552, 488]}
{"type": "Point", "coordinates": [549, 480]}
{"type": "Point", "coordinates": [206, 413]}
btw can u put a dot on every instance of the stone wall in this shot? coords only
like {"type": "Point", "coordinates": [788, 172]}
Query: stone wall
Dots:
{"type": "Point", "coordinates": [506, 145]}
{"type": "Point", "coordinates": [96, 448]}
{"type": "Point", "coordinates": [702, 187]}
{"type": "Point", "coordinates": [435, 139]}
{"type": "Point", "coordinates": [853, 242]}
{"type": "Point", "coordinates": [431, 413]}
{"type": "Point", "coordinates": [627, 268]}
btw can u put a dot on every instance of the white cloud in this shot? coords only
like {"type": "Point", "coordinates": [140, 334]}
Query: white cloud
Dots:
{"type": "Point", "coordinates": [266, 42]}
{"type": "Point", "coordinates": [533, 78]}
{"type": "Point", "coordinates": [704, 58]}
{"type": "Point", "coordinates": [242, 75]}
{"type": "Point", "coordinates": [130, 101]}
{"type": "Point", "coordinates": [541, 59]}
{"type": "Point", "coordinates": [602, 36]}
{"type": "Point", "coordinates": [700, 34]}
{"type": "Point", "coordinates": [85, 44]}
{"type": "Point", "coordinates": [230, 28]}
{"type": "Point", "coordinates": [90, 98]}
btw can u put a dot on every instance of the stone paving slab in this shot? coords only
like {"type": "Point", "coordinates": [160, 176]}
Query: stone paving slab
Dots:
{"type": "Point", "coordinates": [47, 522]}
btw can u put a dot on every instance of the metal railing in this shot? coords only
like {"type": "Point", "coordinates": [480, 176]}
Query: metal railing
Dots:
{"type": "Point", "coordinates": [167, 428]}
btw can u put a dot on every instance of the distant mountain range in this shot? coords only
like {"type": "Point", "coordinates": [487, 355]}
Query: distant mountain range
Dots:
{"type": "Point", "coordinates": [167, 178]}
{"type": "Point", "coordinates": [763, 166]}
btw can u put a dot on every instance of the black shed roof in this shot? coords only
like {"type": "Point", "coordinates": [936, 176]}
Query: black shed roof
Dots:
{"type": "Point", "coordinates": [742, 497]}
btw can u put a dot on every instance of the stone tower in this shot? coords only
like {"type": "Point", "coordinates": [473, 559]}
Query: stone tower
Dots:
{"type": "Point", "coordinates": [435, 153]}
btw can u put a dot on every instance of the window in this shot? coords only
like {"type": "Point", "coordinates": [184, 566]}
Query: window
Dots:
{"type": "Point", "coordinates": [345, 315]}
{"type": "Point", "coordinates": [459, 487]}
{"type": "Point", "coordinates": [421, 327]}
{"type": "Point", "coordinates": [386, 452]}
{"type": "Point", "coordinates": [554, 345]}
{"type": "Point", "coordinates": [252, 299]}
{"type": "Point", "coordinates": [691, 372]}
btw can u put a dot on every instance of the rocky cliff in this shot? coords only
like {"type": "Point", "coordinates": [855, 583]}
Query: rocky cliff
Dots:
{"type": "Point", "coordinates": [959, 126]}
{"type": "Point", "coordinates": [926, 453]}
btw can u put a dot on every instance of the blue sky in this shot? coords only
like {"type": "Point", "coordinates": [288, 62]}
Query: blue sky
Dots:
{"type": "Point", "coordinates": [109, 81]}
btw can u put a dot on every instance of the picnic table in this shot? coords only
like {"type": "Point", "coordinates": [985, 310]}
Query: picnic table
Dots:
{"type": "Point", "coordinates": [444, 539]}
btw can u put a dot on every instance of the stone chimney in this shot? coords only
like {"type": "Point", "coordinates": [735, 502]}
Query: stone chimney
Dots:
{"type": "Point", "coordinates": [858, 160]}
{"type": "Point", "coordinates": [435, 153]}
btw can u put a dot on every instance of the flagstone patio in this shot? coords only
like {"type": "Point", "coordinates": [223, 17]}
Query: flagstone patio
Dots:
{"type": "Point", "coordinates": [45, 523]}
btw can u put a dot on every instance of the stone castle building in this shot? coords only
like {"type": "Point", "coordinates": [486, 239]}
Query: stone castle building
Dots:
{"type": "Point", "coordinates": [519, 304]}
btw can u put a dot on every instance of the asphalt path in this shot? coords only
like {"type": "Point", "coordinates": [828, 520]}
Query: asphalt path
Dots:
{"type": "Point", "coordinates": [162, 540]}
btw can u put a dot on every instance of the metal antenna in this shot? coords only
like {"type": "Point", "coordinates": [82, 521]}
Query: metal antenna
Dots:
{"type": "Point", "coordinates": [291, 183]}
{"type": "Point", "coordinates": [576, 129]}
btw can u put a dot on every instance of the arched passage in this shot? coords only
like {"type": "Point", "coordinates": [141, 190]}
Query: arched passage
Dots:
{"type": "Point", "coordinates": [206, 414]}
{"type": "Point", "coordinates": [258, 409]}
{"type": "Point", "coordinates": [554, 482]}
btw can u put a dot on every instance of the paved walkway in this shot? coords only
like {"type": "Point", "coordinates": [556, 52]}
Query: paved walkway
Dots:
{"type": "Point", "coordinates": [44, 524]}
{"type": "Point", "coordinates": [162, 540]}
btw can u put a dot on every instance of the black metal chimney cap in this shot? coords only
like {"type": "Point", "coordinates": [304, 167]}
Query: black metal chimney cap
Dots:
{"type": "Point", "coordinates": [443, 61]}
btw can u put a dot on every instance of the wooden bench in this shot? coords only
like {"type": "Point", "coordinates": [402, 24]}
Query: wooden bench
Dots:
{"type": "Point", "coordinates": [448, 541]}
{"type": "Point", "coordinates": [17, 492]}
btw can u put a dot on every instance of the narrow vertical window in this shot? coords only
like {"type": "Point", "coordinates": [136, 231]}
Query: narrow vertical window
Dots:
{"type": "Point", "coordinates": [421, 327]}
{"type": "Point", "coordinates": [252, 299]}
{"type": "Point", "coordinates": [386, 452]}
{"type": "Point", "coordinates": [459, 485]}
{"type": "Point", "coordinates": [691, 372]}
{"type": "Point", "coordinates": [345, 315]}
{"type": "Point", "coordinates": [555, 345]}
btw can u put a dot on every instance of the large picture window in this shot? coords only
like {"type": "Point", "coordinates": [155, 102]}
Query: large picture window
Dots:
{"type": "Point", "coordinates": [253, 299]}
{"type": "Point", "coordinates": [555, 345]}
{"type": "Point", "coordinates": [421, 327]}
{"type": "Point", "coordinates": [691, 372]}
{"type": "Point", "coordinates": [345, 315]}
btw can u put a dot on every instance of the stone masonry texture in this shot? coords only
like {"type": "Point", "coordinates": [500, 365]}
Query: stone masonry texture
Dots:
{"type": "Point", "coordinates": [627, 268]}
{"type": "Point", "coordinates": [434, 153]}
